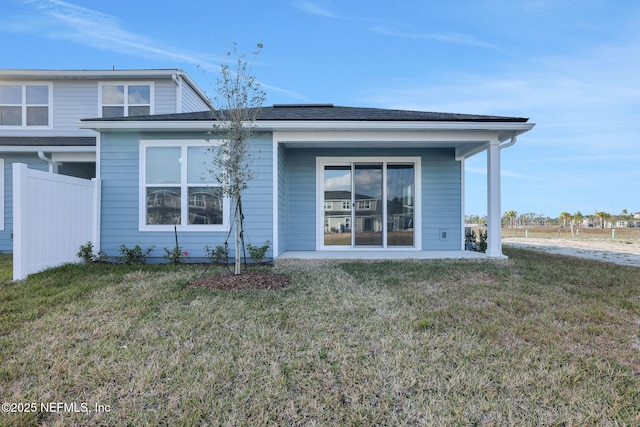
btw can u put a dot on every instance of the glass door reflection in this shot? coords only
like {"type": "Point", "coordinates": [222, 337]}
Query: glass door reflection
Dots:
{"type": "Point", "coordinates": [337, 206]}
{"type": "Point", "coordinates": [367, 190]}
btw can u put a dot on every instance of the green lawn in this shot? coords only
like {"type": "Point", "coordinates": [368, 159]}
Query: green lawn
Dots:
{"type": "Point", "coordinates": [537, 340]}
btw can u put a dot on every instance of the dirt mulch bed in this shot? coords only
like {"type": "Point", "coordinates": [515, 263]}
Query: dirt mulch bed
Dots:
{"type": "Point", "coordinates": [248, 280]}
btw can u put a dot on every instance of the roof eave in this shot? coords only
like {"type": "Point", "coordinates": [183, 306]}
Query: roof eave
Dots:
{"type": "Point", "coordinates": [88, 74]}
{"type": "Point", "coordinates": [47, 148]}
{"type": "Point", "coordinates": [508, 129]}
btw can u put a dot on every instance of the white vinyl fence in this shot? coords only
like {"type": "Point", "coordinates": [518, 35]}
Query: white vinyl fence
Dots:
{"type": "Point", "coordinates": [53, 215]}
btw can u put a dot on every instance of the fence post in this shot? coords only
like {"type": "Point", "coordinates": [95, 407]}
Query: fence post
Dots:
{"type": "Point", "coordinates": [97, 207]}
{"type": "Point", "coordinates": [20, 260]}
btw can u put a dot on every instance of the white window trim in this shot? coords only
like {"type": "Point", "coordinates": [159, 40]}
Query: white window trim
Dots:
{"type": "Point", "coordinates": [321, 162]}
{"type": "Point", "coordinates": [152, 95]}
{"type": "Point", "coordinates": [24, 105]}
{"type": "Point", "coordinates": [142, 196]}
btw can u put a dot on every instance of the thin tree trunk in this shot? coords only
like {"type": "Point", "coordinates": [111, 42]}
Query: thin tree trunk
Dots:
{"type": "Point", "coordinates": [237, 237]}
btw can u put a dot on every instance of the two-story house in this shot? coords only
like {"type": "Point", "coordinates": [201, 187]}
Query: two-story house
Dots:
{"type": "Point", "coordinates": [40, 111]}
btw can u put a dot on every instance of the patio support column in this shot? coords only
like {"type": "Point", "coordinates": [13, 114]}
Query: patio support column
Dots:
{"type": "Point", "coordinates": [494, 216]}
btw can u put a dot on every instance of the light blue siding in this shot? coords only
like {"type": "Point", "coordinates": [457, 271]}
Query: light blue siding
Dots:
{"type": "Point", "coordinates": [165, 101]}
{"type": "Point", "coordinates": [120, 200]}
{"type": "Point", "coordinates": [191, 102]}
{"type": "Point", "coordinates": [33, 162]}
{"type": "Point", "coordinates": [301, 200]}
{"type": "Point", "coordinates": [72, 101]}
{"type": "Point", "coordinates": [441, 202]}
{"type": "Point", "coordinates": [441, 195]}
{"type": "Point", "coordinates": [283, 200]}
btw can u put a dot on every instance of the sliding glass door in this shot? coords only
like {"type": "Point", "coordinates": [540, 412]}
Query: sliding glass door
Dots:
{"type": "Point", "coordinates": [367, 194]}
{"type": "Point", "coordinates": [400, 208]}
{"type": "Point", "coordinates": [337, 205]}
{"type": "Point", "coordinates": [368, 203]}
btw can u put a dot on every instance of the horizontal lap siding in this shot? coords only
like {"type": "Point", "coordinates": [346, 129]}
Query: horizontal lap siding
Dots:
{"type": "Point", "coordinates": [120, 200]}
{"type": "Point", "coordinates": [165, 97]}
{"type": "Point", "coordinates": [283, 200]}
{"type": "Point", "coordinates": [441, 195]}
{"type": "Point", "coordinates": [73, 101]}
{"type": "Point", "coordinates": [441, 203]}
{"type": "Point", "coordinates": [119, 203]}
{"type": "Point", "coordinates": [257, 199]}
{"type": "Point", "coordinates": [301, 212]}
{"type": "Point", "coordinates": [33, 162]}
{"type": "Point", "coordinates": [190, 101]}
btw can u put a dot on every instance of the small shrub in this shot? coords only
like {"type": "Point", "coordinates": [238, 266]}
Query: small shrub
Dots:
{"type": "Point", "coordinates": [174, 256]}
{"type": "Point", "coordinates": [482, 243]}
{"type": "Point", "coordinates": [257, 253]}
{"type": "Point", "coordinates": [86, 253]}
{"type": "Point", "coordinates": [470, 241]}
{"type": "Point", "coordinates": [219, 255]}
{"type": "Point", "coordinates": [135, 255]}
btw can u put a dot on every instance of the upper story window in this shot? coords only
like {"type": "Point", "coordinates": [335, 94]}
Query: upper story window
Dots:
{"type": "Point", "coordinates": [126, 99]}
{"type": "Point", "coordinates": [25, 105]}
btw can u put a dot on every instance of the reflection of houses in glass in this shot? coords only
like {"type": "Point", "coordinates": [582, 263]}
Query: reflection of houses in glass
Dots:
{"type": "Point", "coordinates": [400, 214]}
{"type": "Point", "coordinates": [368, 214]}
{"type": "Point", "coordinates": [337, 211]}
{"type": "Point", "coordinates": [163, 206]}
{"type": "Point", "coordinates": [205, 207]}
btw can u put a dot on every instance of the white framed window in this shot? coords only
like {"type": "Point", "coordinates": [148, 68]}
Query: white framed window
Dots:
{"type": "Point", "coordinates": [25, 105]}
{"type": "Point", "coordinates": [177, 189]}
{"type": "Point", "coordinates": [380, 197]}
{"type": "Point", "coordinates": [126, 99]}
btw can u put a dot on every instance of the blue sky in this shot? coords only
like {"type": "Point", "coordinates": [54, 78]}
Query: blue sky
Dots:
{"type": "Point", "coordinates": [572, 67]}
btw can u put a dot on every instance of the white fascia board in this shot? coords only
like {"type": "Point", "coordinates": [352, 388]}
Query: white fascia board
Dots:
{"type": "Point", "coordinates": [88, 74]}
{"type": "Point", "coordinates": [383, 135]}
{"type": "Point", "coordinates": [197, 125]}
{"type": "Point", "coordinates": [394, 125]}
{"type": "Point", "coordinates": [46, 148]}
{"type": "Point", "coordinates": [148, 126]}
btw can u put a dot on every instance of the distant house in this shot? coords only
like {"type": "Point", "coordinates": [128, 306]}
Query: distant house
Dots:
{"type": "Point", "coordinates": [329, 180]}
{"type": "Point", "coordinates": [40, 111]}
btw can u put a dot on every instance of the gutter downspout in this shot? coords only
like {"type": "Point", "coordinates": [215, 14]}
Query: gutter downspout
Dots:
{"type": "Point", "coordinates": [53, 166]}
{"type": "Point", "coordinates": [514, 138]}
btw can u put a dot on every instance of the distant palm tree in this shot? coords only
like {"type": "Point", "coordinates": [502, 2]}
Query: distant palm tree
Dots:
{"type": "Point", "coordinates": [564, 216]}
{"type": "Point", "coordinates": [578, 217]}
{"type": "Point", "coordinates": [510, 216]}
{"type": "Point", "coordinates": [603, 217]}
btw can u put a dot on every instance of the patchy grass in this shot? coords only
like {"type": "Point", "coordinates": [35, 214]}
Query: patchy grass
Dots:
{"type": "Point", "coordinates": [6, 267]}
{"type": "Point", "coordinates": [538, 340]}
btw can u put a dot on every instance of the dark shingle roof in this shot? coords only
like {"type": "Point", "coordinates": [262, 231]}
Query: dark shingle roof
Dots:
{"type": "Point", "coordinates": [328, 112]}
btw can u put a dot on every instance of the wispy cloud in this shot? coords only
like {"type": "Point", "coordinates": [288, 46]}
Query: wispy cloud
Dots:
{"type": "Point", "coordinates": [587, 98]}
{"type": "Point", "coordinates": [58, 19]}
{"type": "Point", "coordinates": [96, 29]}
{"type": "Point", "coordinates": [314, 9]}
{"type": "Point", "coordinates": [444, 37]}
